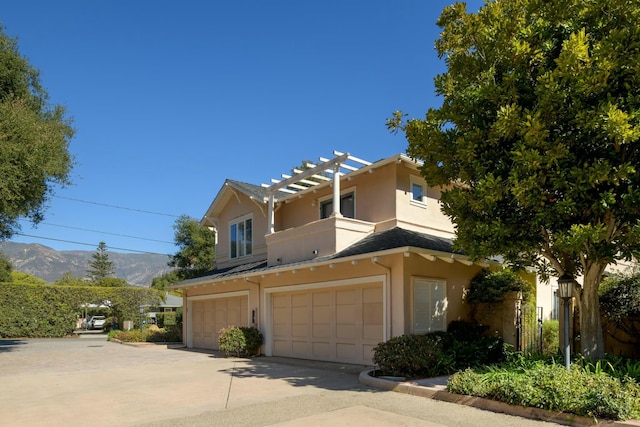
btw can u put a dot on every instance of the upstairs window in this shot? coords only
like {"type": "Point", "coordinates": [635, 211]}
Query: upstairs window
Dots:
{"type": "Point", "coordinates": [347, 206]}
{"type": "Point", "coordinates": [418, 192]}
{"type": "Point", "coordinates": [241, 237]}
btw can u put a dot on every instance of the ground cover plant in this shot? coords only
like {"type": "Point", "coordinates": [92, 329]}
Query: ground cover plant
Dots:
{"type": "Point", "coordinates": [585, 390]}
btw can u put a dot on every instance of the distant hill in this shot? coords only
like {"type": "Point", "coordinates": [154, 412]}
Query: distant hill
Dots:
{"type": "Point", "coordinates": [50, 265]}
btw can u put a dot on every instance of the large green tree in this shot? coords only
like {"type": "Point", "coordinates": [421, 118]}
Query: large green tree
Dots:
{"type": "Point", "coordinates": [196, 253]}
{"type": "Point", "coordinates": [34, 139]}
{"type": "Point", "coordinates": [536, 142]}
{"type": "Point", "coordinates": [196, 245]}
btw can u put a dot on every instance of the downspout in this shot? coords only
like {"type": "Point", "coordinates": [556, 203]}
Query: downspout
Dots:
{"type": "Point", "coordinates": [375, 260]}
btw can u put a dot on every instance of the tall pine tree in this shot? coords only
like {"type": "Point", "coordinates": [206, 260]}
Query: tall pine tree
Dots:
{"type": "Point", "coordinates": [100, 267]}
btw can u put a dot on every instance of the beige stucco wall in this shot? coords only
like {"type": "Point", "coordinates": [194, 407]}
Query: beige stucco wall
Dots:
{"type": "Point", "coordinates": [425, 219]}
{"type": "Point", "coordinates": [374, 199]}
{"type": "Point", "coordinates": [395, 271]}
{"type": "Point", "coordinates": [456, 275]}
{"type": "Point", "coordinates": [238, 206]}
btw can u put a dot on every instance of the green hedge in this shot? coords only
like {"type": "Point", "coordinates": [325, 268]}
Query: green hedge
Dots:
{"type": "Point", "coordinates": [170, 318]}
{"type": "Point", "coordinates": [29, 310]}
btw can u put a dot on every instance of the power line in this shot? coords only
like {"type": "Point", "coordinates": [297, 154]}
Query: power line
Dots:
{"type": "Point", "coordinates": [117, 207]}
{"type": "Point", "coordinates": [105, 232]}
{"type": "Point", "coordinates": [87, 244]}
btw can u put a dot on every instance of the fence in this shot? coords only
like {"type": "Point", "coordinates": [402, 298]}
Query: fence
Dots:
{"type": "Point", "coordinates": [529, 329]}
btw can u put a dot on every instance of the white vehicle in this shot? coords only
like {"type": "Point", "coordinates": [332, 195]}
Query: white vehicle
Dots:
{"type": "Point", "coordinates": [96, 322]}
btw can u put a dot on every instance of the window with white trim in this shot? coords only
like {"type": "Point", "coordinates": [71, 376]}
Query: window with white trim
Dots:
{"type": "Point", "coordinates": [429, 305]}
{"type": "Point", "coordinates": [347, 206]}
{"type": "Point", "coordinates": [241, 237]}
{"type": "Point", "coordinates": [418, 191]}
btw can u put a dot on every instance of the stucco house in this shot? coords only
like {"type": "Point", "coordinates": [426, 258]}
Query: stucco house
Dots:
{"type": "Point", "coordinates": [329, 262]}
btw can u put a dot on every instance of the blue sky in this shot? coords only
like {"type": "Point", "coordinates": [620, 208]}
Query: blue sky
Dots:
{"type": "Point", "coordinates": [171, 98]}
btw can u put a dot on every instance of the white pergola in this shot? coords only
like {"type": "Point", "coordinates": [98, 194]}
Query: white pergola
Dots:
{"type": "Point", "coordinates": [340, 165]}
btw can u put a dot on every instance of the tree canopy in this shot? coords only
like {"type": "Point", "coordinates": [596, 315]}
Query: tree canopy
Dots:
{"type": "Point", "coordinates": [196, 254]}
{"type": "Point", "coordinates": [5, 269]}
{"type": "Point", "coordinates": [536, 143]}
{"type": "Point", "coordinates": [34, 140]}
{"type": "Point", "coordinates": [197, 247]}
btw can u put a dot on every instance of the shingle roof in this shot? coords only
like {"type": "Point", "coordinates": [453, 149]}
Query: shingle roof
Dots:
{"type": "Point", "coordinates": [377, 242]}
{"type": "Point", "coordinates": [396, 238]}
{"type": "Point", "coordinates": [249, 189]}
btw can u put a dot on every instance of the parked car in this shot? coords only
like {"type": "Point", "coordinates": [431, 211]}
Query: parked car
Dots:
{"type": "Point", "coordinates": [96, 322]}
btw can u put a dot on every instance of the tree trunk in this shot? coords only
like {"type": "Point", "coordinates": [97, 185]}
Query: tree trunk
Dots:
{"type": "Point", "coordinates": [591, 338]}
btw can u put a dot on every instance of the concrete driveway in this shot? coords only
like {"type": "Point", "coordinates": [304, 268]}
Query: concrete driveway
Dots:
{"type": "Point", "coordinates": [90, 381]}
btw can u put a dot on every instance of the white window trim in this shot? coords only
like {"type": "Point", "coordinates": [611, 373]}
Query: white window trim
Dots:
{"type": "Point", "coordinates": [418, 181]}
{"type": "Point", "coordinates": [442, 282]}
{"type": "Point", "coordinates": [236, 221]}
{"type": "Point", "coordinates": [342, 193]}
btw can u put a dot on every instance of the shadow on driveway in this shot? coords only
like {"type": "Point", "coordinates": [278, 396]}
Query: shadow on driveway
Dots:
{"type": "Point", "coordinates": [296, 372]}
{"type": "Point", "coordinates": [10, 345]}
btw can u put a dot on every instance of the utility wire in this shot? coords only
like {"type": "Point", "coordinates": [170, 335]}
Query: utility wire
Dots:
{"type": "Point", "coordinates": [86, 244]}
{"type": "Point", "coordinates": [105, 232]}
{"type": "Point", "coordinates": [117, 207]}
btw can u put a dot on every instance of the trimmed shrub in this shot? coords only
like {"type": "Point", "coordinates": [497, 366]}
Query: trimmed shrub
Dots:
{"type": "Point", "coordinates": [439, 353]}
{"type": "Point", "coordinates": [239, 341]}
{"type": "Point", "coordinates": [170, 318]}
{"type": "Point", "coordinates": [413, 356]}
{"type": "Point", "coordinates": [152, 334]}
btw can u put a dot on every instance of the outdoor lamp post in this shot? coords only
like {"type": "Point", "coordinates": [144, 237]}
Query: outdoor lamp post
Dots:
{"type": "Point", "coordinates": [141, 312]}
{"type": "Point", "coordinates": [565, 291]}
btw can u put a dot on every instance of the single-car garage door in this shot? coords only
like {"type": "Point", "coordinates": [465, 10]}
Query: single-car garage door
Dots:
{"type": "Point", "coordinates": [210, 315]}
{"type": "Point", "coordinates": [340, 324]}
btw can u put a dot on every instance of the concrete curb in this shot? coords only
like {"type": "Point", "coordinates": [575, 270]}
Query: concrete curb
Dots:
{"type": "Point", "coordinates": [148, 344]}
{"type": "Point", "coordinates": [437, 391]}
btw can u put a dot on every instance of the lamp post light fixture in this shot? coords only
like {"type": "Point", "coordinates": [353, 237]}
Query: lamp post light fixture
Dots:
{"type": "Point", "coordinates": [565, 291]}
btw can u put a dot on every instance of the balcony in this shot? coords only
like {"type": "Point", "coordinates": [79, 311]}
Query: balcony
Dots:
{"type": "Point", "coordinates": [316, 239]}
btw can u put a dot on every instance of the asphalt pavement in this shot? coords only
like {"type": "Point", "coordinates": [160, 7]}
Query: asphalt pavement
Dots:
{"type": "Point", "coordinates": [90, 381]}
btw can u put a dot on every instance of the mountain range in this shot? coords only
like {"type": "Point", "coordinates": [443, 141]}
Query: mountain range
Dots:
{"type": "Point", "coordinates": [137, 269]}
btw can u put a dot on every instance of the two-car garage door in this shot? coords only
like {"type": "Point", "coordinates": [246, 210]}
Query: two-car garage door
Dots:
{"type": "Point", "coordinates": [339, 324]}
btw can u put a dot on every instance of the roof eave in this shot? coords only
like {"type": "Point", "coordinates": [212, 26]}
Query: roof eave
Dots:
{"type": "Point", "coordinates": [443, 256]}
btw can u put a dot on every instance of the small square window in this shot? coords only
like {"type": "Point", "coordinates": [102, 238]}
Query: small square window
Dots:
{"type": "Point", "coordinates": [418, 192]}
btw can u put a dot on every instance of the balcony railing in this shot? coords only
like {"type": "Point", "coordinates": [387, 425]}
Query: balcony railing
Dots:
{"type": "Point", "coordinates": [316, 239]}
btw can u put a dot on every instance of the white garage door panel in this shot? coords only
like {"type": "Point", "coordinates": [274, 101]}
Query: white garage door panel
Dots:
{"type": "Point", "coordinates": [340, 324]}
{"type": "Point", "coordinates": [210, 315]}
